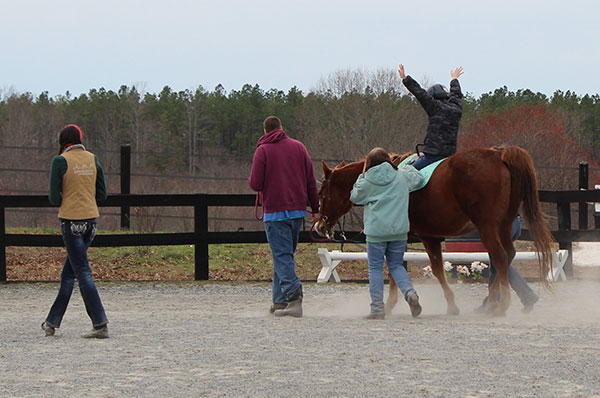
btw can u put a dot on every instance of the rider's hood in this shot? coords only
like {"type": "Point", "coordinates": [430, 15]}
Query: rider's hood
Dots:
{"type": "Point", "coordinates": [382, 174]}
{"type": "Point", "coordinates": [271, 137]}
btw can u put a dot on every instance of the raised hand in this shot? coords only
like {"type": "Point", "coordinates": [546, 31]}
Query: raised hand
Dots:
{"type": "Point", "coordinates": [401, 71]}
{"type": "Point", "coordinates": [456, 72]}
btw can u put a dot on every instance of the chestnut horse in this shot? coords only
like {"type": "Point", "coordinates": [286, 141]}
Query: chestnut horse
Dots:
{"type": "Point", "coordinates": [477, 189]}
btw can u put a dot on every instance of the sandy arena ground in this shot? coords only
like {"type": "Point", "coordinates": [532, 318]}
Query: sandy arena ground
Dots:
{"type": "Point", "coordinates": [217, 340]}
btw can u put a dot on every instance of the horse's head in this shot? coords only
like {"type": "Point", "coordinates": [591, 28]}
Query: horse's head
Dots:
{"type": "Point", "coordinates": [334, 195]}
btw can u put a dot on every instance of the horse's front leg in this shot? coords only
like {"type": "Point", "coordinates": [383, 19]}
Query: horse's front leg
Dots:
{"type": "Point", "coordinates": [392, 296]}
{"type": "Point", "coordinates": [434, 251]}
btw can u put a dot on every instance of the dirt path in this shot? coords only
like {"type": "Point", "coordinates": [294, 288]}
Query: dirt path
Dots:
{"type": "Point", "coordinates": [217, 340]}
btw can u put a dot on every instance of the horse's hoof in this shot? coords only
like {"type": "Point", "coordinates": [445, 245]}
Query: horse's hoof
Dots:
{"type": "Point", "coordinates": [498, 313]}
{"type": "Point", "coordinates": [453, 311]}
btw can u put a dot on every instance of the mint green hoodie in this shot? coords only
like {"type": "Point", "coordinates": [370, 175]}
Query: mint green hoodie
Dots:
{"type": "Point", "coordinates": [384, 193]}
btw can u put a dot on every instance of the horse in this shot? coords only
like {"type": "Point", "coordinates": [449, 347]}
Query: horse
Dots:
{"type": "Point", "coordinates": [477, 189]}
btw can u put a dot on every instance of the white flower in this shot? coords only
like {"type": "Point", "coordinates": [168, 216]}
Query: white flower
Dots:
{"type": "Point", "coordinates": [427, 271]}
{"type": "Point", "coordinates": [463, 269]}
{"type": "Point", "coordinates": [477, 266]}
{"type": "Point", "coordinates": [447, 266]}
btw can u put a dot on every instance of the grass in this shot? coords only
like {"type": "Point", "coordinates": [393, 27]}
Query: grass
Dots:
{"type": "Point", "coordinates": [226, 261]}
{"type": "Point", "coordinates": [233, 262]}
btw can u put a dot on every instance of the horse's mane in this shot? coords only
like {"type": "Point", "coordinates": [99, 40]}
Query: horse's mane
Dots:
{"type": "Point", "coordinates": [394, 157]}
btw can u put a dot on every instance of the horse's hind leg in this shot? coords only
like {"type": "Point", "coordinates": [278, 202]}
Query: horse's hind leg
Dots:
{"type": "Point", "coordinates": [434, 251]}
{"type": "Point", "coordinates": [392, 296]}
{"type": "Point", "coordinates": [501, 251]}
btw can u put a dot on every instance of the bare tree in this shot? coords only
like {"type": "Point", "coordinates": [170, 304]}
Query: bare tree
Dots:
{"type": "Point", "coordinates": [351, 111]}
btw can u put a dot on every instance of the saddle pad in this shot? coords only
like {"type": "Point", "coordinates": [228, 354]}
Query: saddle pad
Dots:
{"type": "Point", "coordinates": [427, 171]}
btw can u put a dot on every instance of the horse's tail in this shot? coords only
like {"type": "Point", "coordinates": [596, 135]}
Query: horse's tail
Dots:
{"type": "Point", "coordinates": [524, 188]}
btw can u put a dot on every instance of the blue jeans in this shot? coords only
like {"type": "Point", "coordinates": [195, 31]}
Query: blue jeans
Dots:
{"type": "Point", "coordinates": [78, 236]}
{"type": "Point", "coordinates": [426, 160]}
{"type": "Point", "coordinates": [516, 281]}
{"type": "Point", "coordinates": [283, 239]}
{"type": "Point", "coordinates": [394, 255]}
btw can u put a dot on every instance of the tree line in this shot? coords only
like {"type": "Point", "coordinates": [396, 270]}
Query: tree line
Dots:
{"type": "Point", "coordinates": [348, 113]}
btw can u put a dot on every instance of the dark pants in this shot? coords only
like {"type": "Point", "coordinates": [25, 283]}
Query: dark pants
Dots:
{"type": "Point", "coordinates": [77, 235]}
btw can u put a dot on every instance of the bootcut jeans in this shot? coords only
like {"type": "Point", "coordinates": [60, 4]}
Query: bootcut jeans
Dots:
{"type": "Point", "coordinates": [77, 236]}
{"type": "Point", "coordinates": [283, 238]}
{"type": "Point", "coordinates": [394, 255]}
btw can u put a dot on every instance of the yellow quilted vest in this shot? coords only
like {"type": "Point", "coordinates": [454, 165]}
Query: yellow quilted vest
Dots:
{"type": "Point", "coordinates": [79, 186]}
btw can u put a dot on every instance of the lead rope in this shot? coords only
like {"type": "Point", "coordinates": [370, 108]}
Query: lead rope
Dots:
{"type": "Point", "coordinates": [258, 199]}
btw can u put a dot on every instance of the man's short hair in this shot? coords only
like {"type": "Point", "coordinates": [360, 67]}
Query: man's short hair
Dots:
{"type": "Point", "coordinates": [272, 123]}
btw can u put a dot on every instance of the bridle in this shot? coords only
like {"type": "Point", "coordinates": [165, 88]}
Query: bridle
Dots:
{"type": "Point", "coordinates": [326, 204]}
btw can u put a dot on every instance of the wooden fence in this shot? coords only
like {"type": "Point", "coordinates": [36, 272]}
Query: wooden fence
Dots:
{"type": "Point", "coordinates": [201, 237]}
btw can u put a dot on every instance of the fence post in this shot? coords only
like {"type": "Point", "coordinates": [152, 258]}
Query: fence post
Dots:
{"type": "Point", "coordinates": [2, 247]}
{"type": "Point", "coordinates": [564, 224]}
{"type": "Point", "coordinates": [201, 244]}
{"type": "Point", "coordinates": [583, 186]}
{"type": "Point", "coordinates": [125, 183]}
{"type": "Point", "coordinates": [597, 211]}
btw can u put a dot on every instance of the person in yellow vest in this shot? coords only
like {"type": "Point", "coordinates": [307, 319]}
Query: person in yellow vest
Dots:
{"type": "Point", "coordinates": [76, 183]}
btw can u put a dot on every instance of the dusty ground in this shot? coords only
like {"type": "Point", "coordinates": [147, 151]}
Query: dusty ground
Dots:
{"type": "Point", "coordinates": [215, 339]}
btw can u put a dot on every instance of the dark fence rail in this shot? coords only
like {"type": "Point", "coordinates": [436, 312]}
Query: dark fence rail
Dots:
{"type": "Point", "coordinates": [201, 237]}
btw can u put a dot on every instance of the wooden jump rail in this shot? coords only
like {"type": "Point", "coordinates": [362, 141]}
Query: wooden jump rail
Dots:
{"type": "Point", "coordinates": [331, 259]}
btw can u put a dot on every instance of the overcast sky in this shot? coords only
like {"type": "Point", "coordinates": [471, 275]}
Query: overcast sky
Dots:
{"type": "Point", "coordinates": [68, 45]}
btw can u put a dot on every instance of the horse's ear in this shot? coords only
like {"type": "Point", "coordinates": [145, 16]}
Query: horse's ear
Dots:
{"type": "Point", "coordinates": [342, 164]}
{"type": "Point", "coordinates": [397, 159]}
{"type": "Point", "coordinates": [326, 169]}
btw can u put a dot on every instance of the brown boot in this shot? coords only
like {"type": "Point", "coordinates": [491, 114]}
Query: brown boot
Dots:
{"type": "Point", "coordinates": [294, 308]}
{"type": "Point", "coordinates": [276, 306]}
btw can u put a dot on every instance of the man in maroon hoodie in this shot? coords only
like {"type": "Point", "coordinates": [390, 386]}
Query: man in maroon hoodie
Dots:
{"type": "Point", "coordinates": [282, 172]}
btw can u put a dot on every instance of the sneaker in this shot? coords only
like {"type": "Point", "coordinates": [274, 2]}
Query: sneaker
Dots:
{"type": "Point", "coordinates": [376, 315]}
{"type": "Point", "coordinates": [413, 302]}
{"type": "Point", "coordinates": [101, 333]}
{"type": "Point", "coordinates": [48, 329]}
{"type": "Point", "coordinates": [528, 306]}
{"type": "Point", "coordinates": [275, 307]}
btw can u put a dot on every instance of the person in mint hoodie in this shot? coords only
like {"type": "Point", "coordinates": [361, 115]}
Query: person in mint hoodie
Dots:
{"type": "Point", "coordinates": [384, 189]}
{"type": "Point", "coordinates": [282, 173]}
{"type": "Point", "coordinates": [76, 183]}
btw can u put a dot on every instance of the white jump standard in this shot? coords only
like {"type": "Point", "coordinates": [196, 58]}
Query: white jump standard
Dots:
{"type": "Point", "coordinates": [331, 259]}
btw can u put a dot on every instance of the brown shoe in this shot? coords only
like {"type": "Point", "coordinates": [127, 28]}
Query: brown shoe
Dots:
{"type": "Point", "coordinates": [413, 302]}
{"type": "Point", "coordinates": [376, 315]}
{"type": "Point", "coordinates": [101, 333]}
{"type": "Point", "coordinates": [48, 329]}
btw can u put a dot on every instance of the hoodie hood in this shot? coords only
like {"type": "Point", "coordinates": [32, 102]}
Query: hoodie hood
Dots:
{"type": "Point", "coordinates": [382, 174]}
{"type": "Point", "coordinates": [271, 137]}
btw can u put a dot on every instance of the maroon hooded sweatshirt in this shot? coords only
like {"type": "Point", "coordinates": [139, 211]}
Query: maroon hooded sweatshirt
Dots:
{"type": "Point", "coordinates": [283, 172]}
